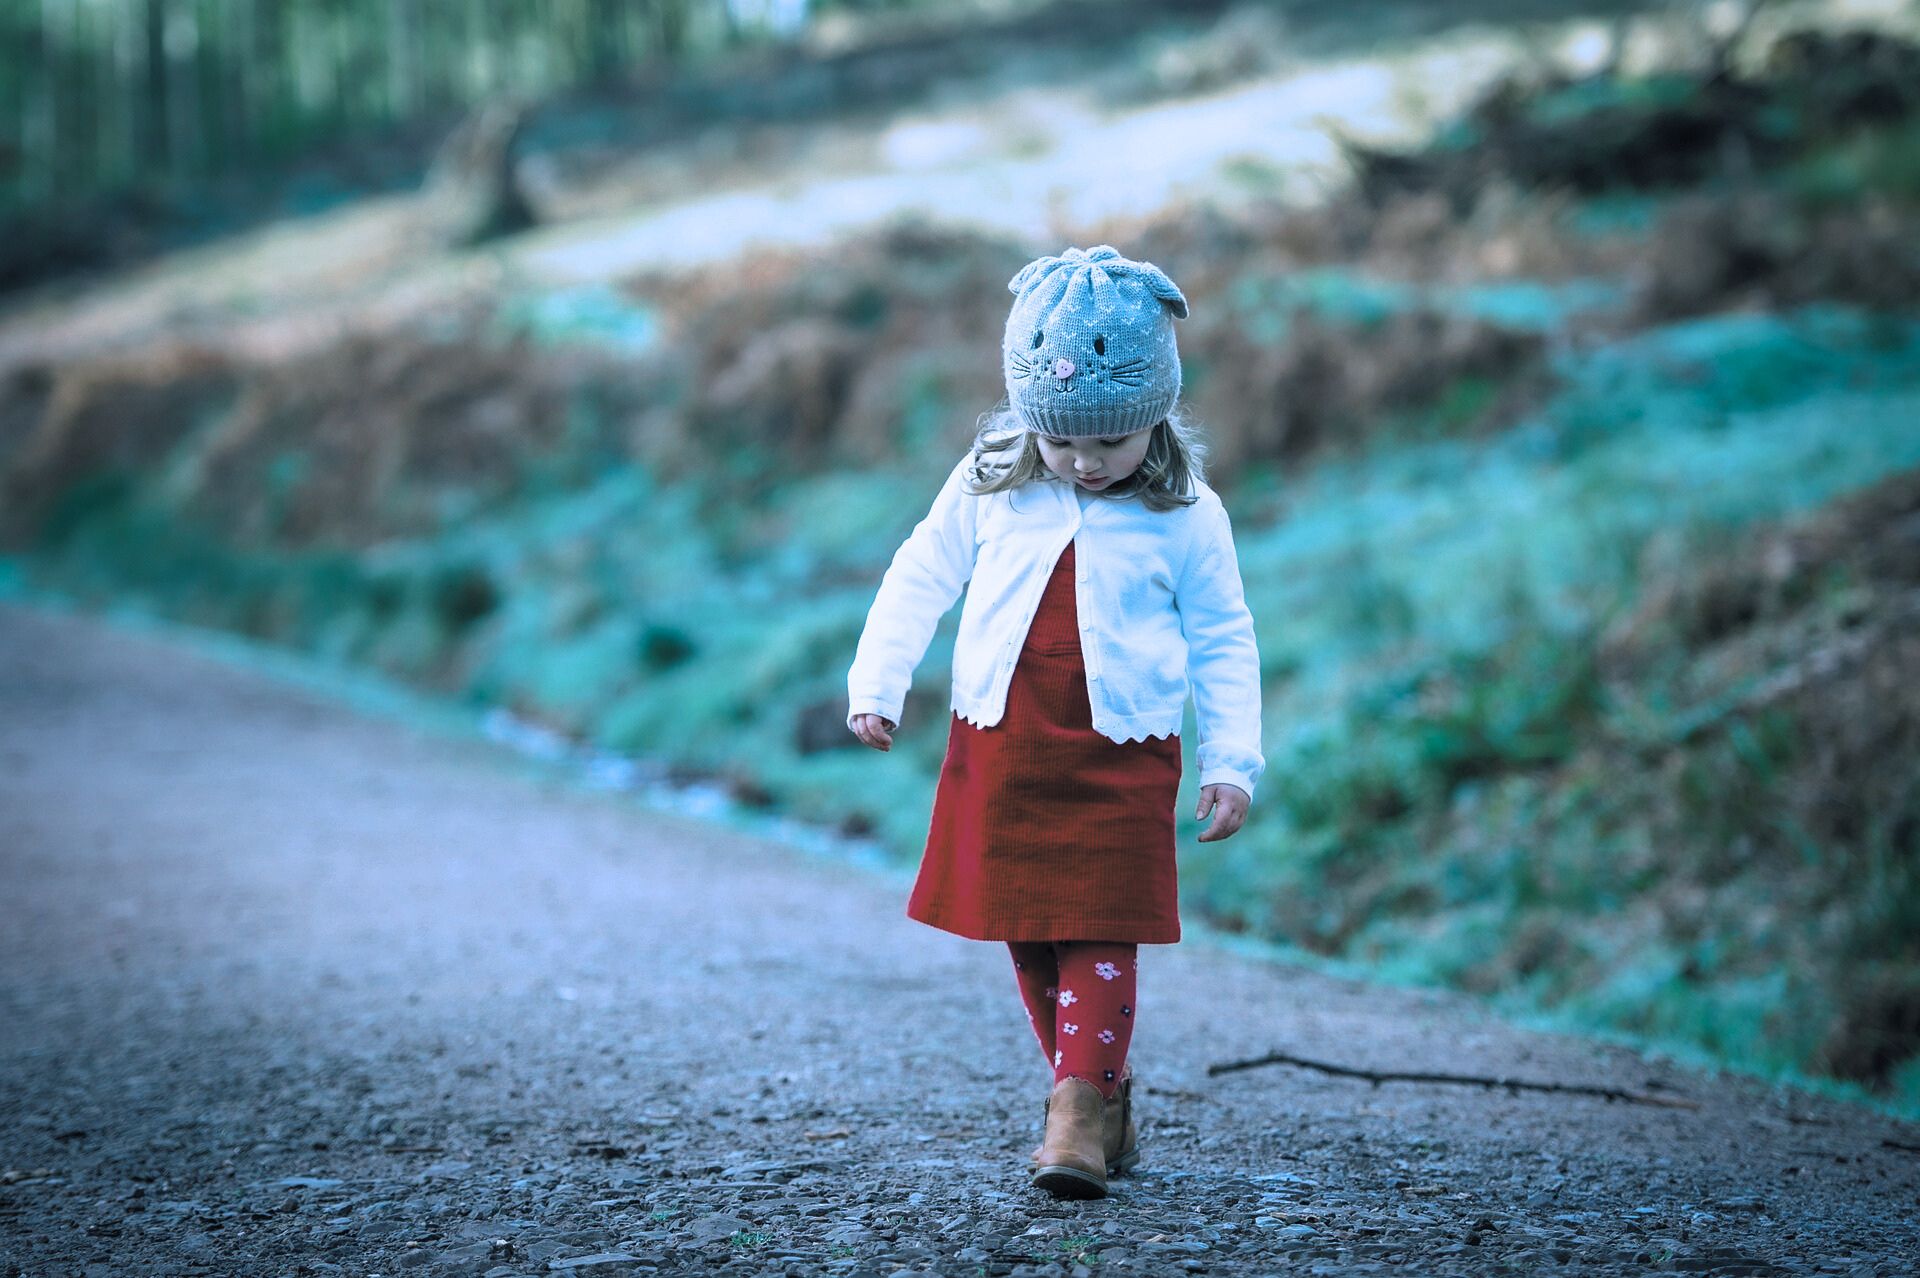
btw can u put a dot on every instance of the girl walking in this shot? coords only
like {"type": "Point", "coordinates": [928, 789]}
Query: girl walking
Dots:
{"type": "Point", "coordinates": [1101, 588]}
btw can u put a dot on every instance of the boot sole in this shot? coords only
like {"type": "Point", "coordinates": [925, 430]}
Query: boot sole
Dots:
{"type": "Point", "coordinates": [1069, 1182]}
{"type": "Point", "coordinates": [1125, 1163]}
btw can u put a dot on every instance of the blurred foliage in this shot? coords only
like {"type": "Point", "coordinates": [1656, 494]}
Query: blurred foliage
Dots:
{"type": "Point", "coordinates": [1671, 128]}
{"type": "Point", "coordinates": [133, 126]}
{"type": "Point", "coordinates": [124, 92]}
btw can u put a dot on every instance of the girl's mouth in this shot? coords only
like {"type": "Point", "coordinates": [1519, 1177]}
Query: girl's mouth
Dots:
{"type": "Point", "coordinates": [1093, 483]}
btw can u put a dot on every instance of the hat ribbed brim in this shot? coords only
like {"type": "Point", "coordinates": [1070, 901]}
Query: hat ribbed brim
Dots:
{"type": "Point", "coordinates": [1044, 418]}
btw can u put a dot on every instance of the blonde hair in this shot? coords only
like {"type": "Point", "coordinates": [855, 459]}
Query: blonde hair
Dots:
{"type": "Point", "coordinates": [1006, 455]}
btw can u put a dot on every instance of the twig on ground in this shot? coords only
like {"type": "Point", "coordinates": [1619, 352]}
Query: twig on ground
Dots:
{"type": "Point", "coordinates": [1900, 1144]}
{"type": "Point", "coordinates": [1377, 1077]}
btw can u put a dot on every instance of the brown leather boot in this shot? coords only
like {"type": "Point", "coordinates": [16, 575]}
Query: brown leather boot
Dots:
{"type": "Point", "coordinates": [1120, 1138]}
{"type": "Point", "coordinates": [1072, 1162]}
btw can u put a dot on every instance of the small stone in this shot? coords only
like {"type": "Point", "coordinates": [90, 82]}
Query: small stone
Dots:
{"type": "Point", "coordinates": [716, 1227]}
{"type": "Point", "coordinates": [467, 1255]}
{"type": "Point", "coordinates": [597, 1258]}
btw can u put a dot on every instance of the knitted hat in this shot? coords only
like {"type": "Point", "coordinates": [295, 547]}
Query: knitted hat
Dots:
{"type": "Point", "coordinates": [1089, 346]}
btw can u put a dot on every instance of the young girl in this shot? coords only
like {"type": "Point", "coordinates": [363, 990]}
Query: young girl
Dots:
{"type": "Point", "coordinates": [1103, 586]}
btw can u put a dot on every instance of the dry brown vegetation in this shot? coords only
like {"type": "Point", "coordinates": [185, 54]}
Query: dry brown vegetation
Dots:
{"type": "Point", "coordinates": [366, 440]}
{"type": "Point", "coordinates": [1801, 647]}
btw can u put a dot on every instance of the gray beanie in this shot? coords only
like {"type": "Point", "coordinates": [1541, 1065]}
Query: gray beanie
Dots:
{"type": "Point", "coordinates": [1089, 346]}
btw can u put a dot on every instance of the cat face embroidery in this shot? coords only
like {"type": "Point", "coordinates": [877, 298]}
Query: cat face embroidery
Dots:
{"type": "Point", "coordinates": [1056, 364]}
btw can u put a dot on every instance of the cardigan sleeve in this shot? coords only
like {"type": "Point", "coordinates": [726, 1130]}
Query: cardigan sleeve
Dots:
{"type": "Point", "coordinates": [1223, 663]}
{"type": "Point", "coordinates": [926, 576]}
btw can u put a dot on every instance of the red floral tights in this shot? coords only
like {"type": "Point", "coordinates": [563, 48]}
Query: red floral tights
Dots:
{"type": "Point", "coordinates": [1080, 999]}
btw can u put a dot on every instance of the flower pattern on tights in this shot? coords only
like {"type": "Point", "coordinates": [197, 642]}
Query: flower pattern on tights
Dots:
{"type": "Point", "coordinates": [1096, 979]}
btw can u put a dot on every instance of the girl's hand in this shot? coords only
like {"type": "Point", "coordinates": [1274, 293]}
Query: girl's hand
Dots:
{"type": "Point", "coordinates": [1229, 805]}
{"type": "Point", "coordinates": [874, 730]}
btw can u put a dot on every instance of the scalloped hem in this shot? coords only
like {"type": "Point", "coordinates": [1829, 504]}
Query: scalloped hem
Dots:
{"type": "Point", "coordinates": [1138, 734]}
{"type": "Point", "coordinates": [1142, 735]}
{"type": "Point", "coordinates": [971, 720]}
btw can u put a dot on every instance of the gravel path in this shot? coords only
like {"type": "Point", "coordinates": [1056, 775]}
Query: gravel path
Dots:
{"type": "Point", "coordinates": [290, 990]}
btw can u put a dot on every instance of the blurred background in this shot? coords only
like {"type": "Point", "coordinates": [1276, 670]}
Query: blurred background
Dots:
{"type": "Point", "coordinates": [585, 362]}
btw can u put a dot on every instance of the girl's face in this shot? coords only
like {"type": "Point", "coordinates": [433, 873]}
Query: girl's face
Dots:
{"type": "Point", "coordinates": [1094, 462]}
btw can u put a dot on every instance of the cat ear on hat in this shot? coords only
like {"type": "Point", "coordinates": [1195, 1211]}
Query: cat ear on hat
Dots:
{"type": "Point", "coordinates": [1161, 287]}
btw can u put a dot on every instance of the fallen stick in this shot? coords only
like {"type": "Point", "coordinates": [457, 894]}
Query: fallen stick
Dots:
{"type": "Point", "coordinates": [1478, 1080]}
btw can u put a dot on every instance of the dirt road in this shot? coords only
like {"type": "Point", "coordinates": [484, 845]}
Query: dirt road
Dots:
{"type": "Point", "coordinates": [291, 990]}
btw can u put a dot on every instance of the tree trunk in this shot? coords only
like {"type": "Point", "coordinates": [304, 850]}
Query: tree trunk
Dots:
{"type": "Point", "coordinates": [403, 43]}
{"type": "Point", "coordinates": [159, 112]}
{"type": "Point", "coordinates": [670, 28]}
{"type": "Point", "coordinates": [608, 47]}
{"type": "Point", "coordinates": [473, 191]}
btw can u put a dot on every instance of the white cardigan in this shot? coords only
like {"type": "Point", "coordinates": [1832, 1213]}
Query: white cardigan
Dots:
{"type": "Point", "coordinates": [1159, 599]}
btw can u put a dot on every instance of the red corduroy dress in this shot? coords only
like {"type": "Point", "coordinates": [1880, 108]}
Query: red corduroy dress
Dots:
{"type": "Point", "coordinates": [1043, 829]}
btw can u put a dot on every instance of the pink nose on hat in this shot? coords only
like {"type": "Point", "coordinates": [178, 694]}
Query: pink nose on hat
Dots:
{"type": "Point", "coordinates": [1063, 368]}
